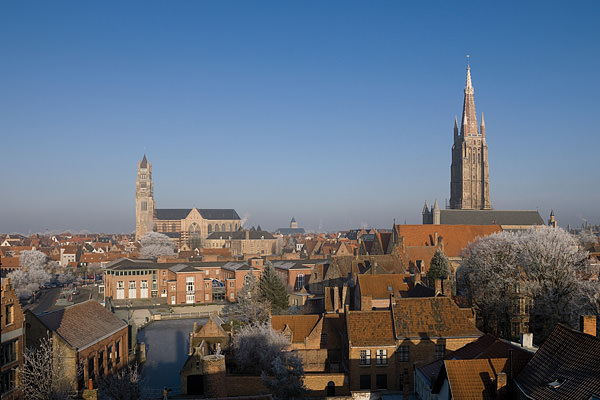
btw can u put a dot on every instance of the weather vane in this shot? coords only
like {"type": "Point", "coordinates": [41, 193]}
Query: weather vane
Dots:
{"type": "Point", "coordinates": [468, 57]}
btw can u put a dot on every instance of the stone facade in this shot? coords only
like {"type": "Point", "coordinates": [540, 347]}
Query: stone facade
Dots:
{"type": "Point", "coordinates": [470, 178]}
{"type": "Point", "coordinates": [144, 199]}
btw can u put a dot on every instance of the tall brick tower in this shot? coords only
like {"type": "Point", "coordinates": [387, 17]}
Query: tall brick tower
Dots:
{"type": "Point", "coordinates": [144, 199]}
{"type": "Point", "coordinates": [469, 174]}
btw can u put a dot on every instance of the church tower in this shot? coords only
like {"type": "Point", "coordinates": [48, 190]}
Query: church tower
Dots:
{"type": "Point", "coordinates": [144, 199]}
{"type": "Point", "coordinates": [469, 173]}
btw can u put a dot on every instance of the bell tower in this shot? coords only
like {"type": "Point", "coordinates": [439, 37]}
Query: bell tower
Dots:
{"type": "Point", "coordinates": [469, 173]}
{"type": "Point", "coordinates": [144, 199]}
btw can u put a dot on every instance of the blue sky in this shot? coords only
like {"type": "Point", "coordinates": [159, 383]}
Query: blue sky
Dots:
{"type": "Point", "coordinates": [339, 113]}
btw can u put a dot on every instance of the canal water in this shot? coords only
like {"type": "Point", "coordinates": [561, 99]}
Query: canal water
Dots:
{"type": "Point", "coordinates": [167, 345]}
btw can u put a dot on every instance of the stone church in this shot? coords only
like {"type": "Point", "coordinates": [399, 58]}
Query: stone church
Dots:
{"type": "Point", "coordinates": [470, 202]}
{"type": "Point", "coordinates": [188, 225]}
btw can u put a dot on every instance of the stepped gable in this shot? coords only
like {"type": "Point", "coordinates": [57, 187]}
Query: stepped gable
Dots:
{"type": "Point", "coordinates": [432, 317]}
{"type": "Point", "coordinates": [83, 324]}
{"type": "Point", "coordinates": [569, 360]}
{"type": "Point", "coordinates": [370, 328]}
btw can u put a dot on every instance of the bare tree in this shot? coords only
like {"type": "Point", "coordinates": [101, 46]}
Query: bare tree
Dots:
{"type": "Point", "coordinates": [156, 244]}
{"type": "Point", "coordinates": [286, 379]}
{"type": "Point", "coordinates": [544, 263]}
{"type": "Point", "coordinates": [255, 347]}
{"type": "Point", "coordinates": [33, 273]}
{"type": "Point", "coordinates": [252, 308]}
{"type": "Point", "coordinates": [44, 373]}
{"type": "Point", "coordinates": [122, 385]}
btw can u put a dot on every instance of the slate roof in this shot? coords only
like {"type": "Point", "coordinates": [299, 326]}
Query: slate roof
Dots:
{"type": "Point", "coordinates": [569, 356]}
{"type": "Point", "coordinates": [432, 317]}
{"type": "Point", "coordinates": [206, 213]}
{"type": "Point", "coordinates": [490, 217]}
{"type": "Point", "coordinates": [289, 265]}
{"type": "Point", "coordinates": [81, 325]}
{"type": "Point", "coordinates": [241, 235]}
{"type": "Point", "coordinates": [370, 328]}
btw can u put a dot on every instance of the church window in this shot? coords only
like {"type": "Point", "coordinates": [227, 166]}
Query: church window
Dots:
{"type": "Point", "coordinates": [143, 185]}
{"type": "Point", "coordinates": [223, 227]}
{"type": "Point", "coordinates": [230, 228]}
{"type": "Point", "coordinates": [209, 228]}
{"type": "Point", "coordinates": [144, 206]}
{"type": "Point", "coordinates": [216, 227]}
{"type": "Point", "coordinates": [164, 227]}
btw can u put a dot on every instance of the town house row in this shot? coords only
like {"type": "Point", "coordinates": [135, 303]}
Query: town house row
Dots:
{"type": "Point", "coordinates": [194, 282]}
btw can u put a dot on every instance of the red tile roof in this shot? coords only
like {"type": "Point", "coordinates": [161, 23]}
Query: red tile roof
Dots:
{"type": "Point", "coordinates": [301, 325]}
{"type": "Point", "coordinates": [370, 328]}
{"type": "Point", "coordinates": [377, 286]}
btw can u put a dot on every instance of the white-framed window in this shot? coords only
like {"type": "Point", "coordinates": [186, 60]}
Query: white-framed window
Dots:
{"type": "Point", "coordinates": [299, 282]}
{"type": "Point", "coordinates": [207, 297]}
{"type": "Point", "coordinates": [206, 272]}
{"type": "Point", "coordinates": [365, 357]}
{"type": "Point", "coordinates": [381, 357]}
{"type": "Point", "coordinates": [189, 284]}
{"type": "Point", "coordinates": [216, 272]}
{"type": "Point", "coordinates": [232, 295]}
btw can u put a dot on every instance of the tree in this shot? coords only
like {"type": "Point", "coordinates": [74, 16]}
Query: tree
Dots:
{"type": "Point", "coordinates": [540, 264]}
{"type": "Point", "coordinates": [44, 375]}
{"type": "Point", "coordinates": [256, 346]}
{"type": "Point", "coordinates": [272, 289]}
{"type": "Point", "coordinates": [439, 268]}
{"type": "Point", "coordinates": [121, 385]}
{"type": "Point", "coordinates": [286, 381]}
{"type": "Point", "coordinates": [156, 244]}
{"type": "Point", "coordinates": [251, 306]}
{"type": "Point", "coordinates": [33, 273]}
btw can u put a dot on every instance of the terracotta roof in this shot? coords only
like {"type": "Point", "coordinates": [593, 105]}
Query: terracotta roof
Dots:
{"type": "Point", "coordinates": [431, 317]}
{"type": "Point", "coordinates": [474, 379]}
{"type": "Point", "coordinates": [568, 357]}
{"type": "Point", "coordinates": [370, 328]}
{"type": "Point", "coordinates": [82, 324]}
{"type": "Point", "coordinates": [455, 237]}
{"type": "Point", "coordinates": [301, 325]}
{"type": "Point", "coordinates": [378, 286]}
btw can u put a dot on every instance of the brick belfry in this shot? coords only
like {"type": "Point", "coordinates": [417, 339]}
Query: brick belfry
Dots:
{"type": "Point", "coordinates": [469, 174]}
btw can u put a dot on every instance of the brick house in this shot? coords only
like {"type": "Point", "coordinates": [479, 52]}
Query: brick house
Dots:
{"type": "Point", "coordinates": [13, 341]}
{"type": "Point", "coordinates": [384, 346]}
{"type": "Point", "coordinates": [85, 336]}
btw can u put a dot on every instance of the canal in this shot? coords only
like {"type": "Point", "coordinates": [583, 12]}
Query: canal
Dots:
{"type": "Point", "coordinates": [167, 345]}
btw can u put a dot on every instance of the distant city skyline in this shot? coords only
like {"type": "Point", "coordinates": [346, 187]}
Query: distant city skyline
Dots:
{"type": "Point", "coordinates": [338, 114]}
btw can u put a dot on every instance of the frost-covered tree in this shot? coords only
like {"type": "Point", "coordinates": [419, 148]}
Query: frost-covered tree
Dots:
{"type": "Point", "coordinates": [44, 375]}
{"type": "Point", "coordinates": [33, 273]}
{"type": "Point", "coordinates": [121, 385]}
{"type": "Point", "coordinates": [252, 307]}
{"type": "Point", "coordinates": [156, 244]}
{"type": "Point", "coordinates": [255, 347]}
{"type": "Point", "coordinates": [542, 264]}
{"type": "Point", "coordinates": [286, 379]}
{"type": "Point", "coordinates": [273, 290]}
{"type": "Point", "coordinates": [439, 268]}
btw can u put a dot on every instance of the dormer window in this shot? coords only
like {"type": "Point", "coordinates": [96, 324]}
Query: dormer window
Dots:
{"type": "Point", "coordinates": [557, 383]}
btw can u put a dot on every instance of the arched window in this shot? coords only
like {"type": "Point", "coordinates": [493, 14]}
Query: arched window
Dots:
{"type": "Point", "coordinates": [209, 228]}
{"type": "Point", "coordinates": [173, 227]}
{"type": "Point", "coordinates": [230, 228]}
{"type": "Point", "coordinates": [164, 228]}
{"type": "Point", "coordinates": [216, 227]}
{"type": "Point", "coordinates": [223, 228]}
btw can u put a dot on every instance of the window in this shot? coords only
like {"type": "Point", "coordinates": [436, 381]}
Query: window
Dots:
{"type": "Point", "coordinates": [9, 314]}
{"type": "Point", "coordinates": [109, 362]}
{"type": "Point", "coordinates": [440, 351]}
{"type": "Point", "coordinates": [101, 363]}
{"type": "Point", "coordinates": [209, 228]}
{"type": "Point", "coordinates": [172, 288]}
{"type": "Point", "coordinates": [231, 296]}
{"type": "Point", "coordinates": [216, 272]}
{"type": "Point", "coordinates": [91, 372]}
{"type": "Point", "coordinates": [323, 338]}
{"type": "Point", "coordinates": [164, 273]}
{"type": "Point", "coordinates": [232, 284]}
{"type": "Point", "coordinates": [365, 357]}
{"type": "Point", "coordinates": [401, 382]}
{"type": "Point", "coordinates": [381, 381]}
{"type": "Point", "coordinates": [144, 206]}
{"type": "Point", "coordinates": [299, 282]}
{"type": "Point", "coordinates": [207, 297]}
{"type": "Point", "coordinates": [143, 185]}
{"type": "Point", "coordinates": [9, 380]}
{"type": "Point", "coordinates": [189, 284]}
{"type": "Point", "coordinates": [403, 353]}
{"type": "Point", "coordinates": [9, 352]}
{"type": "Point", "coordinates": [117, 352]}
{"type": "Point", "coordinates": [365, 382]}
{"type": "Point", "coordinates": [206, 272]}
{"type": "Point", "coordinates": [381, 357]}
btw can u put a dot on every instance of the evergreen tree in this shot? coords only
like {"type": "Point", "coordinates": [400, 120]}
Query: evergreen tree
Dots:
{"type": "Point", "coordinates": [439, 268]}
{"type": "Point", "coordinates": [272, 289]}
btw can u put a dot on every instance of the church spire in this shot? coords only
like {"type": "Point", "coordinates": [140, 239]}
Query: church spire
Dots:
{"type": "Point", "coordinates": [469, 117]}
{"type": "Point", "coordinates": [482, 128]}
{"type": "Point", "coordinates": [144, 163]}
{"type": "Point", "coordinates": [455, 128]}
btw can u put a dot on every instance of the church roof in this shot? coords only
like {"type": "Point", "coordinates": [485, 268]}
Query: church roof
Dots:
{"type": "Point", "coordinates": [206, 213]}
{"type": "Point", "coordinates": [290, 231]}
{"type": "Point", "coordinates": [489, 217]}
{"type": "Point", "coordinates": [241, 234]}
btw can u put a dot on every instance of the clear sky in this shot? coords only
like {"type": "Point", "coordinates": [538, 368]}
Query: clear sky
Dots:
{"type": "Point", "coordinates": [339, 113]}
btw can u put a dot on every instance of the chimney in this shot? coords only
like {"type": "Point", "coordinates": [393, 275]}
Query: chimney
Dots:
{"type": "Point", "coordinates": [336, 298]}
{"type": "Point", "coordinates": [501, 385]}
{"type": "Point", "coordinates": [416, 279]}
{"type": "Point", "coordinates": [526, 340]}
{"type": "Point", "coordinates": [438, 286]}
{"type": "Point", "coordinates": [435, 238]}
{"type": "Point", "coordinates": [587, 324]}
